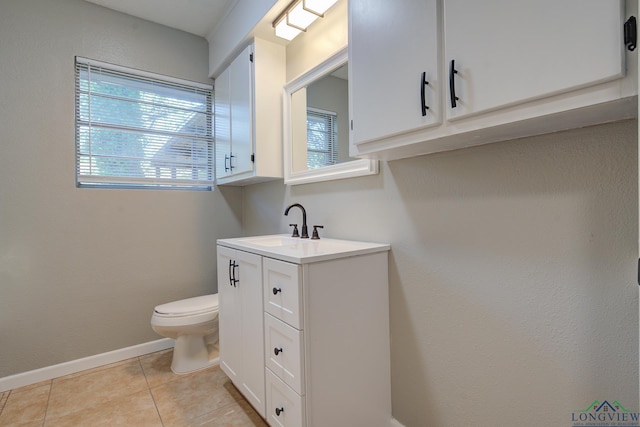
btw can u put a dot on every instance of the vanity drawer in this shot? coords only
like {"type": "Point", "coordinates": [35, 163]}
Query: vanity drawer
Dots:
{"type": "Point", "coordinates": [285, 407]}
{"type": "Point", "coordinates": [283, 352]}
{"type": "Point", "coordinates": [283, 291]}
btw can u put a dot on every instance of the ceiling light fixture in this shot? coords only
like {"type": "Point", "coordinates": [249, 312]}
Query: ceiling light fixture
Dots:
{"type": "Point", "coordinates": [299, 15]}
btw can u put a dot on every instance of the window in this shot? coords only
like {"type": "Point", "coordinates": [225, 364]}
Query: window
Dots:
{"type": "Point", "coordinates": [141, 130]}
{"type": "Point", "coordinates": [322, 131]}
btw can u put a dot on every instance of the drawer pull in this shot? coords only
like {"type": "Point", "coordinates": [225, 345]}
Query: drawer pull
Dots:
{"type": "Point", "coordinates": [276, 290]}
{"type": "Point", "coordinates": [277, 350]}
{"type": "Point", "coordinates": [279, 411]}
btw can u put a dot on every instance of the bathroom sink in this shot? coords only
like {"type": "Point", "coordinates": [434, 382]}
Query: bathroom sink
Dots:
{"type": "Point", "coordinates": [298, 250]}
{"type": "Point", "coordinates": [272, 241]}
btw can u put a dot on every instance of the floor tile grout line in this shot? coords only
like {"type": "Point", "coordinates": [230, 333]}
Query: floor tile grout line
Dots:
{"type": "Point", "coordinates": [155, 405]}
{"type": "Point", "coordinates": [46, 408]}
{"type": "Point", "coordinates": [144, 373]}
{"type": "Point", "coordinates": [130, 360]}
{"type": "Point", "coordinates": [3, 400]}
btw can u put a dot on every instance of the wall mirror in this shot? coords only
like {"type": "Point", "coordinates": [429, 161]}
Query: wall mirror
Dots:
{"type": "Point", "coordinates": [316, 126]}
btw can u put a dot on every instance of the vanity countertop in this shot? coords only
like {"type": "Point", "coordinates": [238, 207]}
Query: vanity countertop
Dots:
{"type": "Point", "coordinates": [302, 251]}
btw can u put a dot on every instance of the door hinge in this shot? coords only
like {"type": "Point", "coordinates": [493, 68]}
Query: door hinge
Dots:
{"type": "Point", "coordinates": [251, 57]}
{"type": "Point", "coordinates": [630, 33]}
{"type": "Point", "coordinates": [253, 158]}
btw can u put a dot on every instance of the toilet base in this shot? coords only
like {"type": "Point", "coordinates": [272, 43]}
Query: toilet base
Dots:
{"type": "Point", "coordinates": [192, 353]}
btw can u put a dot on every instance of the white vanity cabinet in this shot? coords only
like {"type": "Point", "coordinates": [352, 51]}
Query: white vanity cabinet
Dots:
{"type": "Point", "coordinates": [248, 101]}
{"type": "Point", "coordinates": [496, 70]}
{"type": "Point", "coordinates": [326, 330]}
{"type": "Point", "coordinates": [241, 323]}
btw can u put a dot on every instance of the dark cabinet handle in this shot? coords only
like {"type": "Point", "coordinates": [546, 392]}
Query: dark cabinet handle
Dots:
{"type": "Point", "coordinates": [279, 411]}
{"type": "Point", "coordinates": [277, 351]}
{"type": "Point", "coordinates": [235, 280]}
{"type": "Point", "coordinates": [232, 273]}
{"type": "Point", "coordinates": [230, 159]}
{"type": "Point", "coordinates": [630, 33]}
{"type": "Point", "coordinates": [423, 88]}
{"type": "Point", "coordinates": [276, 290]}
{"type": "Point", "coordinates": [452, 83]}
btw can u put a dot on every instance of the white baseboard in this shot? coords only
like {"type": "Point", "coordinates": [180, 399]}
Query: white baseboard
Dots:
{"type": "Point", "coordinates": [396, 423]}
{"type": "Point", "coordinates": [73, 366]}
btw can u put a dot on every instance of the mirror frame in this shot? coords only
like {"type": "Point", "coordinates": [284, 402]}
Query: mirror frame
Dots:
{"type": "Point", "coordinates": [349, 169]}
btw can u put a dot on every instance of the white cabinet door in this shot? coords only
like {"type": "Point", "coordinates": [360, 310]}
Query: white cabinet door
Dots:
{"type": "Point", "coordinates": [229, 316]}
{"type": "Point", "coordinates": [508, 52]}
{"type": "Point", "coordinates": [222, 123]}
{"type": "Point", "coordinates": [250, 286]}
{"type": "Point", "coordinates": [390, 47]}
{"type": "Point", "coordinates": [241, 87]}
{"type": "Point", "coordinates": [241, 323]}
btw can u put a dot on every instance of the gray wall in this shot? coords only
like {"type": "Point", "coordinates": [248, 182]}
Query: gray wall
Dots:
{"type": "Point", "coordinates": [82, 269]}
{"type": "Point", "coordinates": [513, 295]}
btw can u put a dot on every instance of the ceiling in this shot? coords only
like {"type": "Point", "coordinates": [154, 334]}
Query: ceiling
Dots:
{"type": "Point", "coordinates": [193, 16]}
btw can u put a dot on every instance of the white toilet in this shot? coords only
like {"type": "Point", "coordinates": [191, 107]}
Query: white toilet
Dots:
{"type": "Point", "coordinates": [193, 323]}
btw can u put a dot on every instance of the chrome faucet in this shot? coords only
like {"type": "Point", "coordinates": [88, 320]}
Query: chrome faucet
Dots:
{"type": "Point", "coordinates": [305, 231]}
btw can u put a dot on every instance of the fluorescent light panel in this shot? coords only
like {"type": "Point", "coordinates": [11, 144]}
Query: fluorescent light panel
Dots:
{"type": "Point", "coordinates": [285, 31]}
{"type": "Point", "coordinates": [299, 15]}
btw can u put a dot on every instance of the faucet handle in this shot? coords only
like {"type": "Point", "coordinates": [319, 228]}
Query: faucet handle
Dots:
{"type": "Point", "coordinates": [315, 235]}
{"type": "Point", "coordinates": [295, 230]}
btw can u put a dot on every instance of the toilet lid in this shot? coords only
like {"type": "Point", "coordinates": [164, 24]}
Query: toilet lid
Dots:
{"type": "Point", "coordinates": [193, 305]}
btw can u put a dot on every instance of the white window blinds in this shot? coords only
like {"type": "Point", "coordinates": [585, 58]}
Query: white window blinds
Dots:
{"type": "Point", "coordinates": [140, 130]}
{"type": "Point", "coordinates": [322, 129]}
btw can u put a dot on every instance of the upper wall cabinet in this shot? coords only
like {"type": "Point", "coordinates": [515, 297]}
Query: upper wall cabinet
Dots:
{"type": "Point", "coordinates": [387, 91]}
{"type": "Point", "coordinates": [448, 74]}
{"type": "Point", "coordinates": [528, 50]}
{"type": "Point", "coordinates": [248, 101]}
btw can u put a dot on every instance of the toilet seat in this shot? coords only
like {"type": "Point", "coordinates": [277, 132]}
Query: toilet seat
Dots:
{"type": "Point", "coordinates": [189, 307]}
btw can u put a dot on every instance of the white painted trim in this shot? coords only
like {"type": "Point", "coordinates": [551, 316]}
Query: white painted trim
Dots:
{"type": "Point", "coordinates": [73, 366]}
{"type": "Point", "coordinates": [395, 423]}
{"type": "Point", "coordinates": [350, 169]}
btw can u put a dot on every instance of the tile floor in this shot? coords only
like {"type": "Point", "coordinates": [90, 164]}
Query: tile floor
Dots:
{"type": "Point", "coordinates": [136, 392]}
